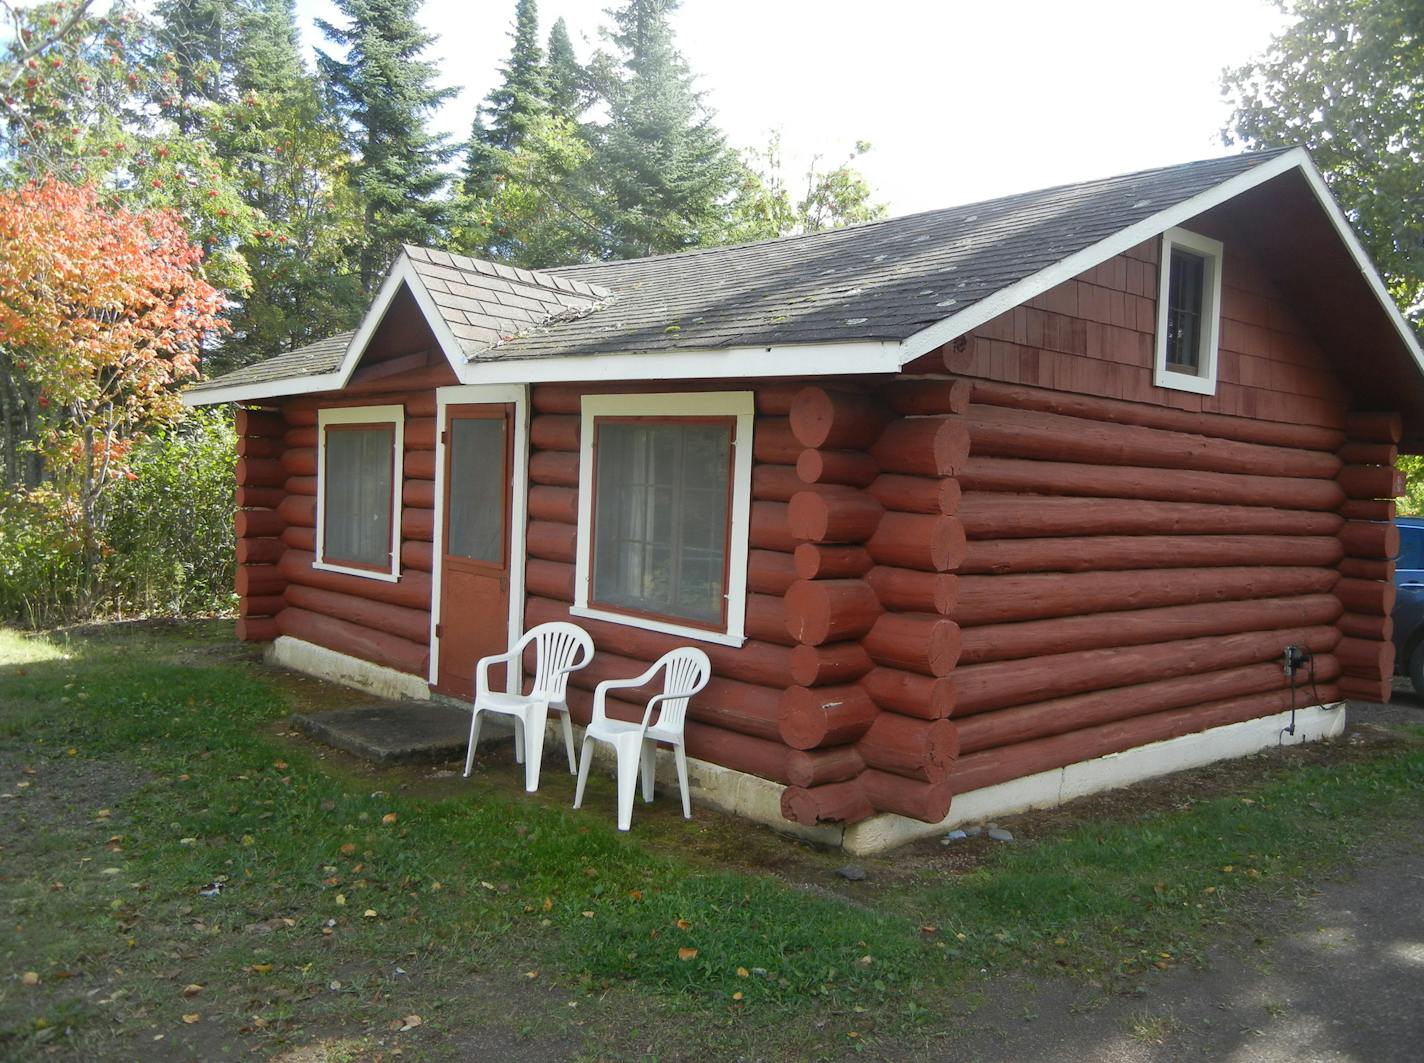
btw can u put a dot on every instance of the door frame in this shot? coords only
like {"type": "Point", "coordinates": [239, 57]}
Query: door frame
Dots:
{"type": "Point", "coordinates": [516, 395]}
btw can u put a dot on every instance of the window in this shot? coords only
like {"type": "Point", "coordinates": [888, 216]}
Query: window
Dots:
{"type": "Point", "coordinates": [664, 508]}
{"type": "Point", "coordinates": [358, 490]}
{"type": "Point", "coordinates": [1188, 312]}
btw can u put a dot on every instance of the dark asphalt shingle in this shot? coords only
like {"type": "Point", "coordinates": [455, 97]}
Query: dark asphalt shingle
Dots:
{"type": "Point", "coordinates": [882, 280]}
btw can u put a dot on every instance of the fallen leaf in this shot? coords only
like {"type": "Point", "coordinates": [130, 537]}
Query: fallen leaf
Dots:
{"type": "Point", "coordinates": [389, 818]}
{"type": "Point", "coordinates": [531, 974]}
{"type": "Point", "coordinates": [348, 849]}
{"type": "Point", "coordinates": [738, 995]}
{"type": "Point", "coordinates": [588, 915]}
{"type": "Point", "coordinates": [30, 978]}
{"type": "Point", "coordinates": [410, 1022]}
{"type": "Point", "coordinates": [340, 900]}
{"type": "Point", "coordinates": [260, 968]}
{"type": "Point", "coordinates": [637, 895]}
{"type": "Point", "coordinates": [683, 924]}
{"type": "Point", "coordinates": [369, 913]}
{"type": "Point", "coordinates": [548, 904]}
{"type": "Point", "coordinates": [742, 972]}
{"type": "Point", "coordinates": [192, 1017]}
{"type": "Point", "coordinates": [685, 954]}
{"type": "Point", "coordinates": [192, 989]}
{"type": "Point", "coordinates": [280, 765]}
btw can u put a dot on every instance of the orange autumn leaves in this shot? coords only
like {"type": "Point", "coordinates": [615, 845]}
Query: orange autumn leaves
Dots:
{"type": "Point", "coordinates": [104, 310]}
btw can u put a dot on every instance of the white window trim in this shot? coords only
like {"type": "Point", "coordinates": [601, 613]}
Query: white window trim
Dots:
{"type": "Point", "coordinates": [1203, 382]}
{"type": "Point", "coordinates": [394, 415]}
{"type": "Point", "coordinates": [737, 404]}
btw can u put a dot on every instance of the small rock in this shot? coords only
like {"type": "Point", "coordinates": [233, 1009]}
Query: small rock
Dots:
{"type": "Point", "coordinates": [953, 836]}
{"type": "Point", "coordinates": [1000, 835]}
{"type": "Point", "coordinates": [851, 873]}
{"type": "Point", "coordinates": [973, 832]}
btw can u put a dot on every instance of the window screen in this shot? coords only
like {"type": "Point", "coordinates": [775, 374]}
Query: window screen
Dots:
{"type": "Point", "coordinates": [1185, 288]}
{"type": "Point", "coordinates": [357, 483]}
{"type": "Point", "coordinates": [477, 488]}
{"type": "Point", "coordinates": [660, 527]}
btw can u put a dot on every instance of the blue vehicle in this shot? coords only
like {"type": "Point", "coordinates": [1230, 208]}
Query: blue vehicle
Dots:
{"type": "Point", "coordinates": [1409, 605]}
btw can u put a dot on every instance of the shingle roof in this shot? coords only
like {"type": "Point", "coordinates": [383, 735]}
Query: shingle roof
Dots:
{"type": "Point", "coordinates": [883, 280]}
{"type": "Point", "coordinates": [323, 356]}
{"type": "Point", "coordinates": [485, 302]}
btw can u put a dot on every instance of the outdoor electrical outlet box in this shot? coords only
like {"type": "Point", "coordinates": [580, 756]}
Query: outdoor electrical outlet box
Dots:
{"type": "Point", "coordinates": [1294, 659]}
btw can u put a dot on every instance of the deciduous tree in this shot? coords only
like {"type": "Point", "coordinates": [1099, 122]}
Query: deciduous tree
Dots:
{"type": "Point", "coordinates": [1346, 80]}
{"type": "Point", "coordinates": [103, 310]}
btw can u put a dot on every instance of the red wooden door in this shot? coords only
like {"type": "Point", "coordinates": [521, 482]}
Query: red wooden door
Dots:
{"type": "Point", "coordinates": [475, 543]}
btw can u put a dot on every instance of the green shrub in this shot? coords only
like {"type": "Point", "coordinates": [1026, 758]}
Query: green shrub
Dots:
{"type": "Point", "coordinates": [170, 529]}
{"type": "Point", "coordinates": [166, 536]}
{"type": "Point", "coordinates": [42, 571]}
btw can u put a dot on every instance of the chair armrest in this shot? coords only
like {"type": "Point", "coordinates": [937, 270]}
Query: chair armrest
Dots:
{"type": "Point", "coordinates": [482, 669]}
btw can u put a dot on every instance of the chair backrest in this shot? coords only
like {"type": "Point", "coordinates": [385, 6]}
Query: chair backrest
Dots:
{"type": "Point", "coordinates": [558, 647]}
{"type": "Point", "coordinates": [685, 672]}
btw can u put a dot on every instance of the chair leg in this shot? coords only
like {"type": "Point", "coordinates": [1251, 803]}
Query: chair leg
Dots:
{"type": "Point", "coordinates": [585, 755]}
{"type": "Point", "coordinates": [680, 755]}
{"type": "Point", "coordinates": [534, 745]}
{"type": "Point", "coordinates": [628, 760]}
{"type": "Point", "coordinates": [648, 762]}
{"type": "Point", "coordinates": [569, 739]}
{"type": "Point", "coordinates": [474, 738]}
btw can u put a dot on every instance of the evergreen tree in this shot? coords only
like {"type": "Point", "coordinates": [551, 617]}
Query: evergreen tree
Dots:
{"type": "Point", "coordinates": [665, 172]}
{"type": "Point", "coordinates": [511, 107]}
{"type": "Point", "coordinates": [563, 75]}
{"type": "Point", "coordinates": [279, 140]}
{"type": "Point", "coordinates": [523, 197]}
{"type": "Point", "coordinates": [384, 92]}
{"type": "Point", "coordinates": [523, 92]}
{"type": "Point", "coordinates": [196, 40]}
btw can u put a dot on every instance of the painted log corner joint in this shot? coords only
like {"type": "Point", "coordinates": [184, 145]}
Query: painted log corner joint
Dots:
{"type": "Point", "coordinates": [1013, 555]}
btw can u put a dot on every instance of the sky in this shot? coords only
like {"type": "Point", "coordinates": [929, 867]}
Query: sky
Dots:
{"type": "Point", "coordinates": [959, 100]}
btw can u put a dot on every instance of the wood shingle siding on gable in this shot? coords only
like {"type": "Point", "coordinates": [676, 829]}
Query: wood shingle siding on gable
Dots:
{"type": "Point", "coordinates": [1094, 335]}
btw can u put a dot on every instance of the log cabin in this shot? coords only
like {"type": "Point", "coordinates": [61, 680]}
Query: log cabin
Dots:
{"type": "Point", "coordinates": [973, 510]}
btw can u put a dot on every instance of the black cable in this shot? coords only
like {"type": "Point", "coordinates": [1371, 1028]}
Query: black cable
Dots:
{"type": "Point", "coordinates": [1290, 669]}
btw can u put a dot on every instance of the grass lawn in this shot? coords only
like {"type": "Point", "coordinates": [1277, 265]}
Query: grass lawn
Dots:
{"type": "Point", "coordinates": [182, 877]}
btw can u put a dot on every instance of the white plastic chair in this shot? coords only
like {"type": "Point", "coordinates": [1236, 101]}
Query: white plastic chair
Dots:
{"type": "Point", "coordinates": [559, 649]}
{"type": "Point", "coordinates": [686, 671]}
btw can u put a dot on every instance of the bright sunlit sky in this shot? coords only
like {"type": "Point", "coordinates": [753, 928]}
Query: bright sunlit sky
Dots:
{"type": "Point", "coordinates": [960, 100]}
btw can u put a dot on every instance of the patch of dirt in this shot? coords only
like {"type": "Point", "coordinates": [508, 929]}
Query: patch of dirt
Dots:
{"type": "Point", "coordinates": [45, 794]}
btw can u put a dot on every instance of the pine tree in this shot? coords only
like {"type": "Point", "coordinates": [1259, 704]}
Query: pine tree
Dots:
{"type": "Point", "coordinates": [665, 171]}
{"type": "Point", "coordinates": [563, 75]}
{"type": "Point", "coordinates": [196, 40]}
{"type": "Point", "coordinates": [284, 147]}
{"type": "Point", "coordinates": [523, 92]}
{"type": "Point", "coordinates": [384, 92]}
{"type": "Point", "coordinates": [504, 118]}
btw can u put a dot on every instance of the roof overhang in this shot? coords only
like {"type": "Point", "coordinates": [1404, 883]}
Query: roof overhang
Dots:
{"type": "Point", "coordinates": [857, 357]}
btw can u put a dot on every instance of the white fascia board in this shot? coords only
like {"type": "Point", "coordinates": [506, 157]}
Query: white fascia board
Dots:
{"type": "Point", "coordinates": [1347, 235]}
{"type": "Point", "coordinates": [810, 359]}
{"type": "Point", "coordinates": [402, 273]}
{"type": "Point", "coordinates": [1005, 299]}
{"type": "Point", "coordinates": [293, 385]}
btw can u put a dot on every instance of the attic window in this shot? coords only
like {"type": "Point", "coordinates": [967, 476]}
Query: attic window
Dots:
{"type": "Point", "coordinates": [1188, 312]}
